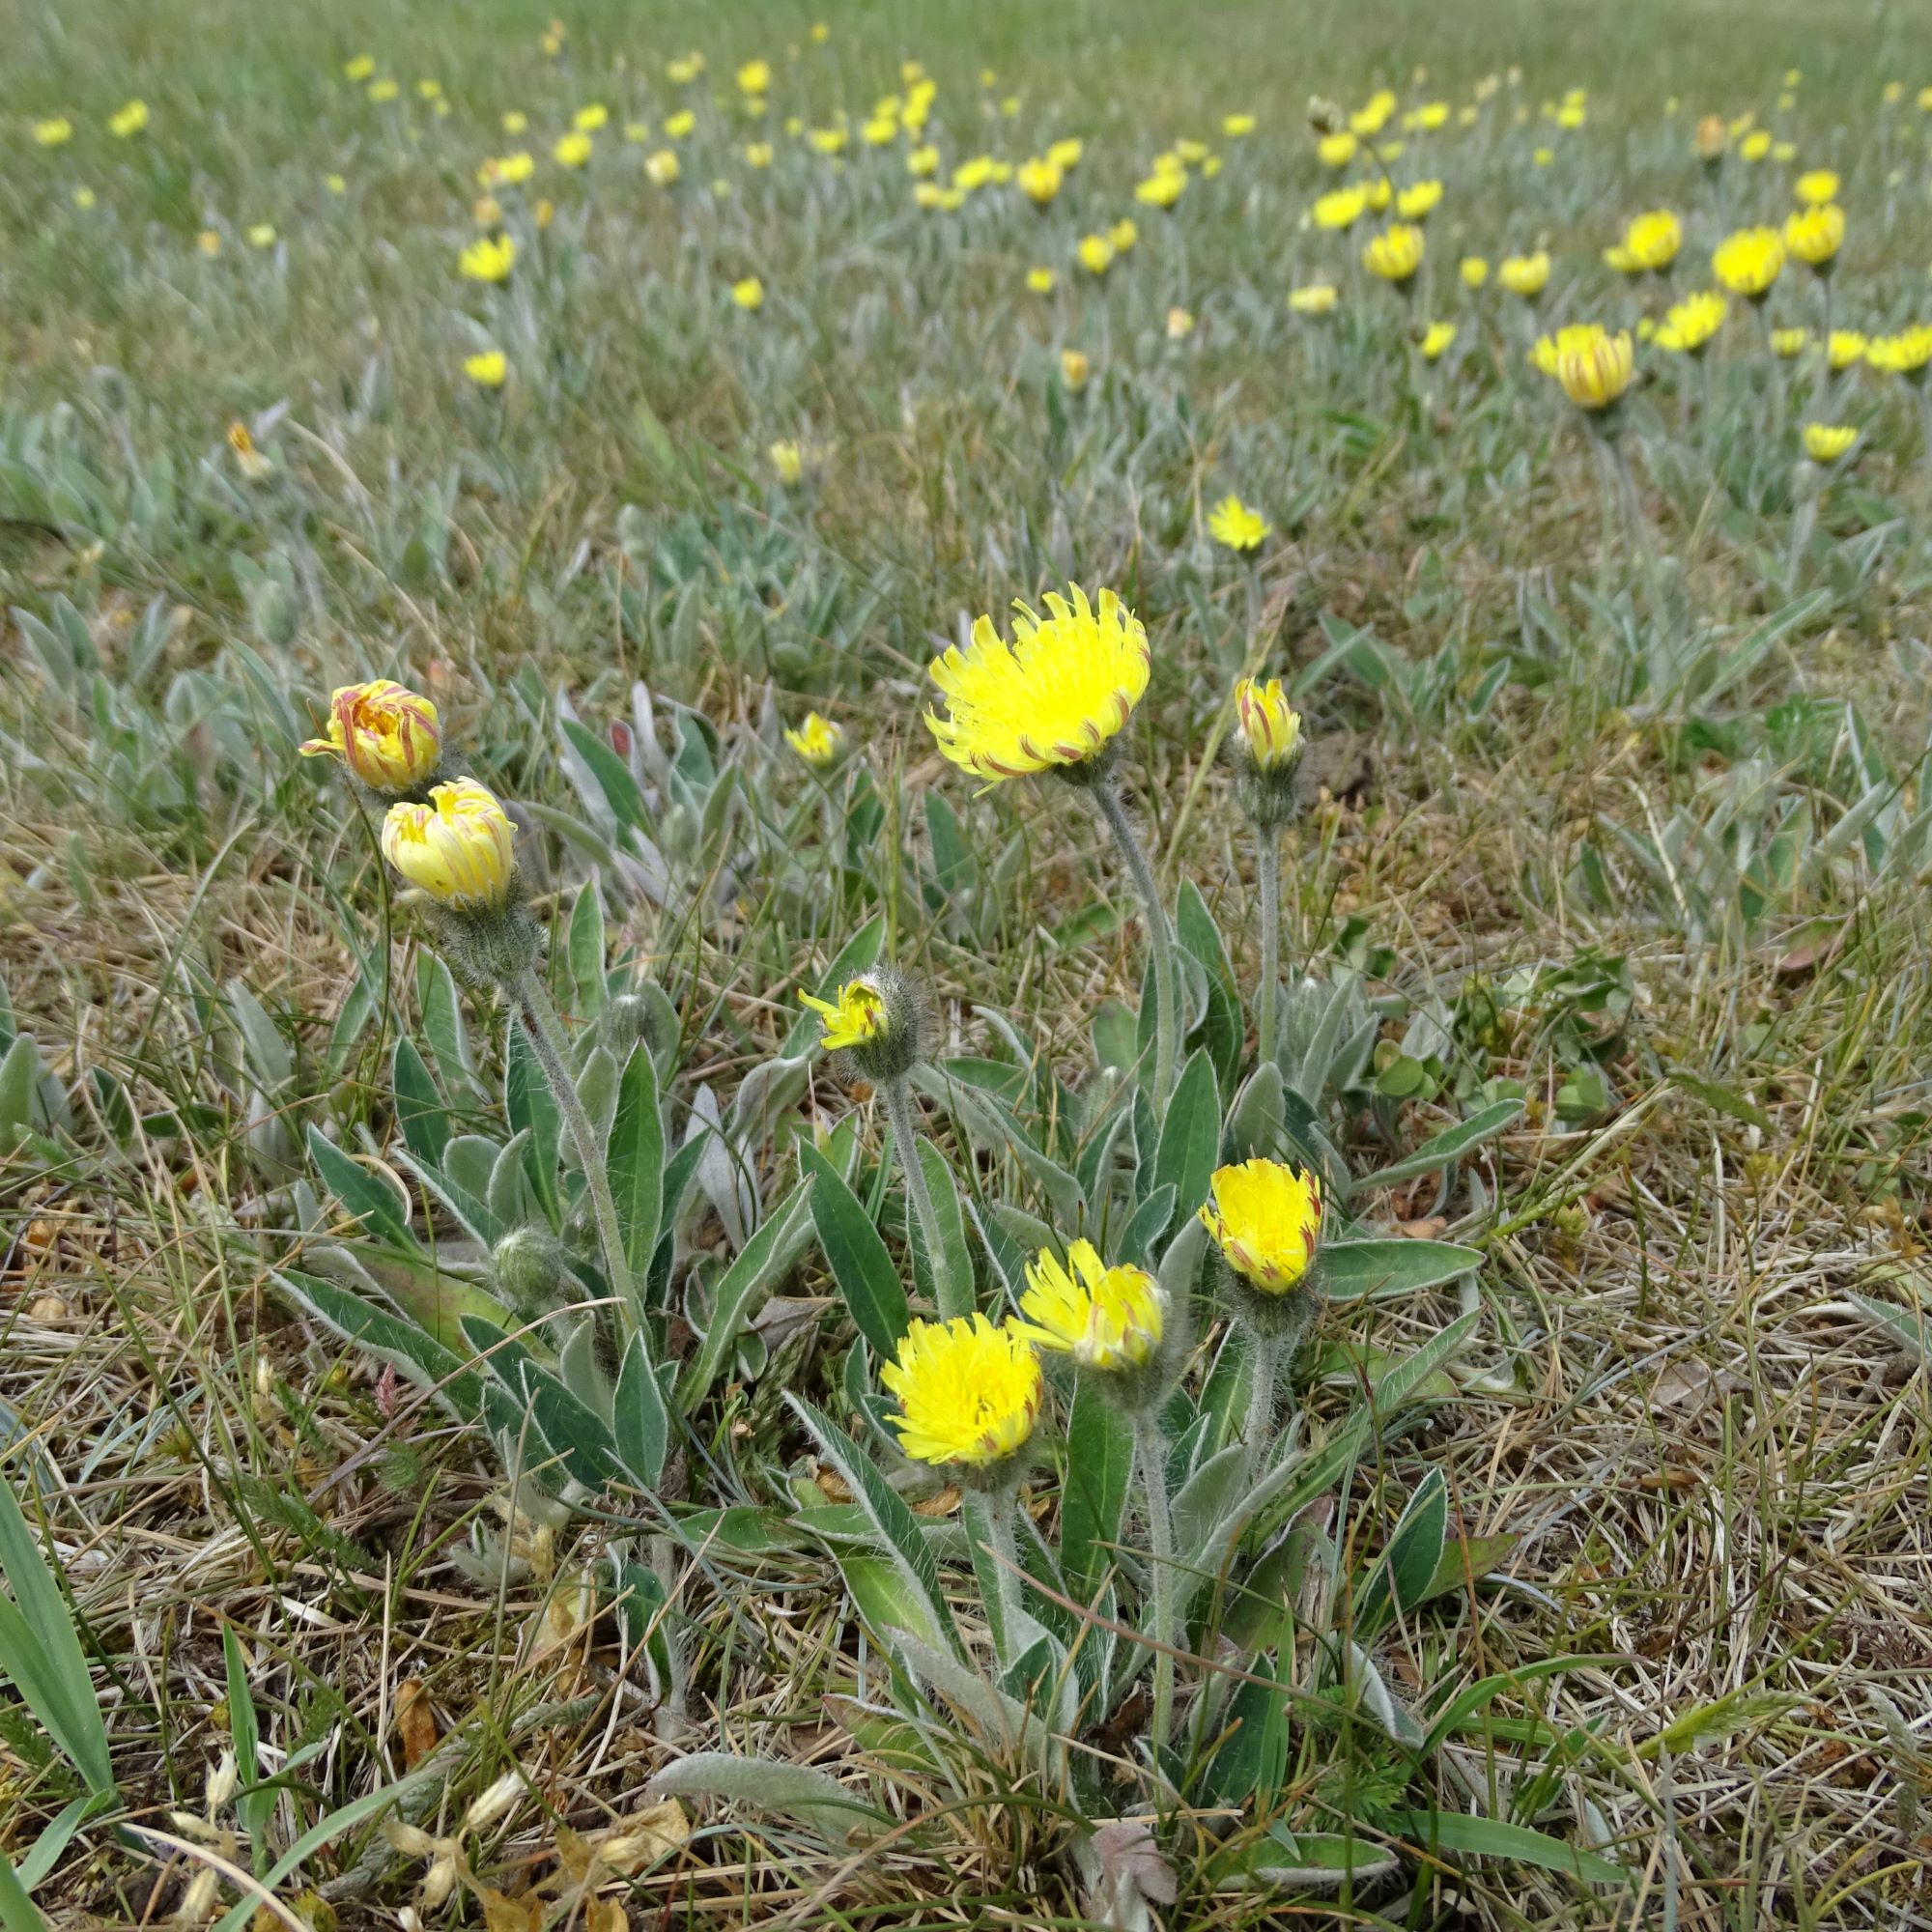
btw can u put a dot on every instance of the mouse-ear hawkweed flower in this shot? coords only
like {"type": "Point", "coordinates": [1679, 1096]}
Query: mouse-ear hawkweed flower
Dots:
{"type": "Point", "coordinates": [384, 734]}
{"type": "Point", "coordinates": [817, 740]}
{"type": "Point", "coordinates": [1650, 243]}
{"type": "Point", "coordinates": [1395, 254]}
{"type": "Point", "coordinates": [1110, 1319]}
{"type": "Point", "coordinates": [1233, 525]}
{"type": "Point", "coordinates": [1524, 276]}
{"type": "Point", "coordinates": [1436, 340]}
{"type": "Point", "coordinates": [488, 259]}
{"type": "Point", "coordinates": [1595, 372]}
{"type": "Point", "coordinates": [1814, 235]}
{"type": "Point", "coordinates": [1748, 261]}
{"type": "Point", "coordinates": [1816, 187]}
{"type": "Point", "coordinates": [457, 846]}
{"type": "Point", "coordinates": [1826, 444]}
{"type": "Point", "coordinates": [1689, 326]}
{"type": "Point", "coordinates": [969, 1393]}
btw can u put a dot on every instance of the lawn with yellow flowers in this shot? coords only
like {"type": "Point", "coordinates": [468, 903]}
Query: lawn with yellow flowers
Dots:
{"type": "Point", "coordinates": [952, 977]}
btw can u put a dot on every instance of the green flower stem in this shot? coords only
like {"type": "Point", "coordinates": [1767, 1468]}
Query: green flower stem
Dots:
{"type": "Point", "coordinates": [1160, 937]}
{"type": "Point", "coordinates": [1151, 1453]}
{"type": "Point", "coordinates": [990, 1520]}
{"type": "Point", "coordinates": [1268, 876]}
{"type": "Point", "coordinates": [905, 1140]}
{"type": "Point", "coordinates": [546, 1035]}
{"type": "Point", "coordinates": [1261, 1397]}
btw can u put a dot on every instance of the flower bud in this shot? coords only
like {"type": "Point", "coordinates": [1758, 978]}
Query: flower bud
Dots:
{"type": "Point", "coordinates": [457, 847]}
{"type": "Point", "coordinates": [530, 1269]}
{"type": "Point", "coordinates": [878, 1022]}
{"type": "Point", "coordinates": [1267, 752]}
{"type": "Point", "coordinates": [387, 734]}
{"type": "Point", "coordinates": [1326, 117]}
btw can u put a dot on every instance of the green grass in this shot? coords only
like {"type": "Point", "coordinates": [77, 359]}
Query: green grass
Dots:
{"type": "Point", "coordinates": [1614, 810]}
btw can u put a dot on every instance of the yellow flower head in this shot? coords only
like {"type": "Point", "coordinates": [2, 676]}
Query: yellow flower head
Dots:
{"type": "Point", "coordinates": [1235, 527]}
{"type": "Point", "coordinates": [1267, 1219]}
{"type": "Point", "coordinates": [1124, 235]}
{"type": "Point", "coordinates": [1270, 725]}
{"type": "Point", "coordinates": [829, 140]}
{"type": "Point", "coordinates": [662, 167]}
{"type": "Point", "coordinates": [387, 734]}
{"type": "Point", "coordinates": [251, 460]}
{"type": "Point", "coordinates": [458, 847]}
{"type": "Point", "coordinates": [858, 1016]}
{"type": "Point", "coordinates": [1109, 1318]}
{"type": "Point", "coordinates": [1845, 346]}
{"type": "Point", "coordinates": [1757, 145]}
{"type": "Point", "coordinates": [921, 162]}
{"type": "Point", "coordinates": [512, 170]}
{"type": "Point", "coordinates": [262, 235]}
{"type": "Point", "coordinates": [1038, 181]}
{"type": "Point", "coordinates": [1054, 697]}
{"type": "Point", "coordinates": [788, 460]}
{"type": "Point", "coordinates": [571, 151]}
{"type": "Point", "coordinates": [487, 211]}
{"type": "Point", "coordinates": [208, 241]}
{"type": "Point", "coordinates": [1689, 326]}
{"type": "Point", "coordinates": [128, 120]}
{"type": "Point", "coordinates": [488, 259]}
{"type": "Point", "coordinates": [1474, 271]}
{"type": "Point", "coordinates": [1074, 369]}
{"type": "Point", "coordinates": [488, 369]}
{"type": "Point", "coordinates": [1096, 254]}
{"type": "Point", "coordinates": [1238, 127]}
{"type": "Point", "coordinates": [1907, 354]}
{"type": "Point", "coordinates": [1396, 253]}
{"type": "Point", "coordinates": [1377, 196]}
{"type": "Point", "coordinates": [1650, 243]}
{"type": "Point", "coordinates": [817, 740]}
{"type": "Point", "coordinates": [1337, 149]}
{"type": "Point", "coordinates": [1789, 342]}
{"type": "Point", "coordinates": [382, 90]}
{"type": "Point", "coordinates": [360, 68]}
{"type": "Point", "coordinates": [515, 121]}
{"type": "Point", "coordinates": [51, 133]}
{"type": "Point", "coordinates": [1436, 340]}
{"type": "Point", "coordinates": [1827, 443]}
{"type": "Point", "coordinates": [1547, 349]}
{"type": "Point", "coordinates": [1340, 208]}
{"type": "Point", "coordinates": [1066, 154]}
{"type": "Point", "coordinates": [1596, 372]}
{"type": "Point", "coordinates": [754, 77]}
{"type": "Point", "coordinates": [587, 120]}
{"type": "Point", "coordinates": [1419, 201]}
{"type": "Point", "coordinates": [967, 1392]}
{"type": "Point", "coordinates": [1814, 235]}
{"type": "Point", "coordinates": [1040, 280]}
{"type": "Point", "coordinates": [1314, 299]}
{"type": "Point", "coordinates": [1162, 188]}
{"type": "Point", "coordinates": [1179, 324]}
{"type": "Point", "coordinates": [748, 294]}
{"type": "Point", "coordinates": [1816, 187]}
{"type": "Point", "coordinates": [1524, 276]}
{"type": "Point", "coordinates": [1749, 260]}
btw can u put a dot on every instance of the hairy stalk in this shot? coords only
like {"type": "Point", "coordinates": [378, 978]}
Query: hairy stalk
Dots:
{"type": "Point", "coordinates": [990, 1514]}
{"type": "Point", "coordinates": [1160, 937]}
{"type": "Point", "coordinates": [905, 1140]}
{"type": "Point", "coordinates": [1261, 1397]}
{"type": "Point", "coordinates": [1151, 1453]}
{"type": "Point", "coordinates": [544, 1032]}
{"type": "Point", "coordinates": [1267, 874]}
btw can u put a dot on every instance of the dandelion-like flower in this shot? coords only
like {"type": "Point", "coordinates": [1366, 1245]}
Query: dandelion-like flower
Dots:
{"type": "Point", "coordinates": [1266, 1220]}
{"type": "Point", "coordinates": [857, 1017]}
{"type": "Point", "coordinates": [1096, 254]}
{"type": "Point", "coordinates": [1844, 347]}
{"type": "Point", "coordinates": [817, 740]}
{"type": "Point", "coordinates": [489, 258]}
{"type": "Point", "coordinates": [129, 120]}
{"type": "Point", "coordinates": [1418, 201]}
{"type": "Point", "coordinates": [1815, 235]}
{"type": "Point", "coordinates": [387, 734]}
{"type": "Point", "coordinates": [1816, 187]}
{"type": "Point", "coordinates": [573, 150]}
{"type": "Point", "coordinates": [1436, 340]}
{"type": "Point", "coordinates": [1595, 374]}
{"type": "Point", "coordinates": [1650, 243]}
{"type": "Point", "coordinates": [1270, 725]}
{"type": "Point", "coordinates": [1341, 208]}
{"type": "Point", "coordinates": [1474, 271]}
{"type": "Point", "coordinates": [1749, 260]}
{"type": "Point", "coordinates": [1689, 326]}
{"type": "Point", "coordinates": [1524, 276]}
{"type": "Point", "coordinates": [1109, 1318]}
{"type": "Point", "coordinates": [1789, 342]}
{"type": "Point", "coordinates": [488, 368]}
{"type": "Point", "coordinates": [1235, 527]}
{"type": "Point", "coordinates": [1040, 280]}
{"type": "Point", "coordinates": [1055, 699]}
{"type": "Point", "coordinates": [1314, 299]}
{"type": "Point", "coordinates": [1908, 353]}
{"type": "Point", "coordinates": [458, 846]}
{"type": "Point", "coordinates": [1826, 444]}
{"type": "Point", "coordinates": [1074, 369]}
{"type": "Point", "coordinates": [969, 1393]}
{"type": "Point", "coordinates": [748, 294]}
{"type": "Point", "coordinates": [1396, 253]}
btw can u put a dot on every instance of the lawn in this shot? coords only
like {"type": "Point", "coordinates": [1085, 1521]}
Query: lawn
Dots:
{"type": "Point", "coordinates": [1248, 1249]}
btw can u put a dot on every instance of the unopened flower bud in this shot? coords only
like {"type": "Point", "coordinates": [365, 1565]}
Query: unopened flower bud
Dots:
{"type": "Point", "coordinates": [1325, 116]}
{"type": "Point", "coordinates": [530, 1269]}
{"type": "Point", "coordinates": [1268, 749]}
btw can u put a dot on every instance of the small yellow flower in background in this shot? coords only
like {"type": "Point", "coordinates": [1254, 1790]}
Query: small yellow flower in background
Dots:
{"type": "Point", "coordinates": [257, 468]}
{"type": "Point", "coordinates": [1369, 119]}
{"type": "Point", "coordinates": [1314, 299]}
{"type": "Point", "coordinates": [383, 91]}
{"type": "Point", "coordinates": [1474, 271]}
{"type": "Point", "coordinates": [208, 241]}
{"type": "Point", "coordinates": [1235, 527]}
{"type": "Point", "coordinates": [489, 258]}
{"type": "Point", "coordinates": [1040, 280]}
{"type": "Point", "coordinates": [637, 133]}
{"type": "Point", "coordinates": [1542, 157]}
{"type": "Point", "coordinates": [1074, 369]}
{"type": "Point", "coordinates": [1336, 151]}
{"type": "Point", "coordinates": [1038, 181]}
{"type": "Point", "coordinates": [754, 77]}
{"type": "Point", "coordinates": [1524, 276]}
{"type": "Point", "coordinates": [1122, 235]}
{"type": "Point", "coordinates": [858, 1016]}
{"type": "Point", "coordinates": [430, 90]}
{"type": "Point", "coordinates": [459, 847]}
{"type": "Point", "coordinates": [262, 235]}
{"type": "Point", "coordinates": [829, 140]}
{"type": "Point", "coordinates": [1179, 324]}
{"type": "Point", "coordinates": [587, 120]}
{"type": "Point", "coordinates": [1595, 373]}
{"type": "Point", "coordinates": [1894, 92]}
{"type": "Point", "coordinates": [1816, 187]}
{"type": "Point", "coordinates": [1066, 154]}
{"type": "Point", "coordinates": [514, 122]}
{"type": "Point", "coordinates": [488, 369]}
{"type": "Point", "coordinates": [1419, 201]}
{"type": "Point", "coordinates": [748, 294]}
{"type": "Point", "coordinates": [1908, 353]}
{"type": "Point", "coordinates": [1096, 254]}
{"type": "Point", "coordinates": [571, 151]}
{"type": "Point", "coordinates": [1162, 188]}
{"type": "Point", "coordinates": [1238, 127]}
{"type": "Point", "coordinates": [1689, 326]}
{"type": "Point", "coordinates": [1789, 342]}
{"type": "Point", "coordinates": [486, 210]}
{"type": "Point", "coordinates": [1748, 261]}
{"type": "Point", "coordinates": [1925, 99]}
{"type": "Point", "coordinates": [1710, 139]}
{"type": "Point", "coordinates": [1436, 340]}
{"type": "Point", "coordinates": [1827, 443]}
{"type": "Point", "coordinates": [881, 132]}
{"type": "Point", "coordinates": [385, 733]}
{"type": "Point", "coordinates": [1341, 208]}
{"type": "Point", "coordinates": [1266, 1220]}
{"type": "Point", "coordinates": [1546, 350]}
{"type": "Point", "coordinates": [1757, 145]}
{"type": "Point", "coordinates": [1377, 196]}
{"type": "Point", "coordinates": [677, 125]}
{"type": "Point", "coordinates": [543, 213]}
{"type": "Point", "coordinates": [335, 184]}
{"type": "Point", "coordinates": [1270, 725]}
{"type": "Point", "coordinates": [83, 198]}
{"type": "Point", "coordinates": [128, 120]}
{"type": "Point", "coordinates": [1650, 243]}
{"type": "Point", "coordinates": [819, 741]}
{"type": "Point", "coordinates": [757, 154]}
{"type": "Point", "coordinates": [1396, 253]}
{"type": "Point", "coordinates": [921, 162]}
{"type": "Point", "coordinates": [662, 167]}
{"type": "Point", "coordinates": [53, 131]}
{"type": "Point", "coordinates": [1107, 1319]}
{"type": "Point", "coordinates": [1054, 697]}
{"type": "Point", "coordinates": [1814, 235]}
{"type": "Point", "coordinates": [1844, 347]}
{"type": "Point", "coordinates": [967, 1392]}
{"type": "Point", "coordinates": [788, 460]}
{"type": "Point", "coordinates": [360, 68]}
{"type": "Point", "coordinates": [684, 70]}
{"type": "Point", "coordinates": [512, 170]}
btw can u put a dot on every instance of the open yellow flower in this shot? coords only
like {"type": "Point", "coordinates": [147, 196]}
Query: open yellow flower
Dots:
{"type": "Point", "coordinates": [385, 733]}
{"type": "Point", "coordinates": [1827, 443]}
{"type": "Point", "coordinates": [1524, 276]}
{"type": "Point", "coordinates": [817, 740]}
{"type": "Point", "coordinates": [1314, 299]}
{"type": "Point", "coordinates": [53, 131]}
{"type": "Point", "coordinates": [1689, 326]}
{"type": "Point", "coordinates": [1109, 1318]}
{"type": "Point", "coordinates": [1595, 374]}
{"type": "Point", "coordinates": [488, 368]}
{"type": "Point", "coordinates": [1340, 208]}
{"type": "Point", "coordinates": [1396, 253]}
{"type": "Point", "coordinates": [1789, 342]}
{"type": "Point", "coordinates": [458, 847]}
{"type": "Point", "coordinates": [1038, 181]}
{"type": "Point", "coordinates": [1437, 339]}
{"type": "Point", "coordinates": [967, 1392]}
{"type": "Point", "coordinates": [662, 167]}
{"type": "Point", "coordinates": [1337, 149]}
{"type": "Point", "coordinates": [1474, 270]}
{"type": "Point", "coordinates": [1650, 243]}
{"type": "Point", "coordinates": [748, 294]}
{"type": "Point", "coordinates": [1040, 280]}
{"type": "Point", "coordinates": [1231, 523]}
{"type": "Point", "coordinates": [1266, 1220]}
{"type": "Point", "coordinates": [1270, 725]}
{"type": "Point", "coordinates": [1548, 350]}
{"type": "Point", "coordinates": [1163, 187]}
{"type": "Point", "coordinates": [1053, 698]}
{"type": "Point", "coordinates": [1816, 187]}
{"type": "Point", "coordinates": [489, 258]}
{"type": "Point", "coordinates": [1096, 254]}
{"type": "Point", "coordinates": [859, 1015]}
{"type": "Point", "coordinates": [1074, 368]}
{"type": "Point", "coordinates": [754, 77]}
{"type": "Point", "coordinates": [1124, 235]}
{"type": "Point", "coordinates": [1907, 354]}
{"type": "Point", "coordinates": [788, 460]}
{"type": "Point", "coordinates": [1749, 260]}
{"type": "Point", "coordinates": [1845, 346]}
{"type": "Point", "coordinates": [129, 120]}
{"type": "Point", "coordinates": [1815, 235]}
{"type": "Point", "coordinates": [1418, 201]}
{"type": "Point", "coordinates": [573, 150]}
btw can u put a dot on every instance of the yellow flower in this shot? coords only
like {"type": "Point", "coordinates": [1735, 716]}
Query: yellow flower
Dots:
{"type": "Point", "coordinates": [1827, 443]}
{"type": "Point", "coordinates": [757, 154]}
{"type": "Point", "coordinates": [1377, 196]}
{"type": "Point", "coordinates": [1689, 326]}
{"type": "Point", "coordinates": [1542, 157]}
{"type": "Point", "coordinates": [543, 213]}
{"type": "Point", "coordinates": [1266, 1220]}
{"type": "Point", "coordinates": [1238, 127]}
{"type": "Point", "coordinates": [1108, 1319]}
{"type": "Point", "coordinates": [1040, 280]}
{"type": "Point", "coordinates": [458, 847]}
{"type": "Point", "coordinates": [1436, 340]}
{"type": "Point", "coordinates": [967, 1392]}
{"type": "Point", "coordinates": [858, 1014]}
{"type": "Point", "coordinates": [1524, 276]}
{"type": "Point", "coordinates": [1074, 369]}
{"type": "Point", "coordinates": [677, 125]}
{"type": "Point", "coordinates": [1749, 260]}
{"type": "Point", "coordinates": [1054, 697]}
{"type": "Point", "coordinates": [1270, 725]}
{"type": "Point", "coordinates": [208, 241]}
{"type": "Point", "coordinates": [571, 151]}
{"type": "Point", "coordinates": [489, 258]}
{"type": "Point", "coordinates": [1096, 254]}
{"type": "Point", "coordinates": [1336, 151]}
{"type": "Point", "coordinates": [684, 70]}
{"type": "Point", "coordinates": [50, 133]}
{"type": "Point", "coordinates": [1179, 324]}
{"type": "Point", "coordinates": [788, 460]}
{"type": "Point", "coordinates": [754, 77]}
{"type": "Point", "coordinates": [360, 68]}
{"type": "Point", "coordinates": [662, 167]}
{"type": "Point", "coordinates": [587, 120]}
{"type": "Point", "coordinates": [1313, 299]}
{"type": "Point", "coordinates": [257, 468]}
{"type": "Point", "coordinates": [820, 33]}
{"type": "Point", "coordinates": [512, 170]}
{"type": "Point", "coordinates": [387, 734]}
{"type": "Point", "coordinates": [1595, 373]}
{"type": "Point", "coordinates": [381, 91]}
{"type": "Point", "coordinates": [881, 132]}
{"type": "Point", "coordinates": [488, 369]}
{"type": "Point", "coordinates": [262, 235]}
{"type": "Point", "coordinates": [1907, 354]}
{"type": "Point", "coordinates": [1235, 527]}
{"type": "Point", "coordinates": [1419, 201]}
{"type": "Point", "coordinates": [1162, 188]}
{"type": "Point", "coordinates": [128, 120]}
{"type": "Point", "coordinates": [1844, 347]}
{"type": "Point", "coordinates": [829, 140]}
{"type": "Point", "coordinates": [921, 162]}
{"type": "Point", "coordinates": [1373, 116]}
{"type": "Point", "coordinates": [1755, 145]}
{"type": "Point", "coordinates": [1789, 342]}
{"type": "Point", "coordinates": [335, 184]}
{"type": "Point", "coordinates": [83, 197]}
{"type": "Point", "coordinates": [1122, 235]}
{"type": "Point", "coordinates": [1038, 181]}
{"type": "Point", "coordinates": [1816, 187]}
{"type": "Point", "coordinates": [515, 121]}
{"type": "Point", "coordinates": [1814, 235]}
{"type": "Point", "coordinates": [1547, 350]}
{"type": "Point", "coordinates": [637, 133]}
{"type": "Point", "coordinates": [1474, 271]}
{"type": "Point", "coordinates": [1650, 243]}
{"type": "Point", "coordinates": [819, 741]}
{"type": "Point", "coordinates": [430, 90]}
{"type": "Point", "coordinates": [1341, 208]}
{"type": "Point", "coordinates": [748, 294]}
{"type": "Point", "coordinates": [1396, 253]}
{"type": "Point", "coordinates": [1066, 154]}
{"type": "Point", "coordinates": [486, 210]}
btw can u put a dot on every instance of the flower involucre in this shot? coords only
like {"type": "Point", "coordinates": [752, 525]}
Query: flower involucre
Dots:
{"type": "Point", "coordinates": [1054, 698]}
{"type": "Point", "coordinates": [387, 734]}
{"type": "Point", "coordinates": [967, 1392]}
{"type": "Point", "coordinates": [1109, 1318]}
{"type": "Point", "coordinates": [458, 847]}
{"type": "Point", "coordinates": [1267, 1219]}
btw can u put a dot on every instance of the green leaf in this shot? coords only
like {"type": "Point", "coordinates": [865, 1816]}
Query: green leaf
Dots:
{"type": "Point", "coordinates": [1401, 1577]}
{"type": "Point", "coordinates": [367, 1196]}
{"type": "Point", "coordinates": [612, 775]}
{"type": "Point", "coordinates": [858, 1257]}
{"type": "Point", "coordinates": [1190, 1136]}
{"type": "Point", "coordinates": [1383, 1268]}
{"type": "Point", "coordinates": [953, 1265]}
{"type": "Point", "coordinates": [640, 1425]}
{"type": "Point", "coordinates": [1256, 1757]}
{"type": "Point", "coordinates": [17, 1912]}
{"type": "Point", "coordinates": [419, 1110]}
{"type": "Point", "coordinates": [1093, 1493]}
{"type": "Point", "coordinates": [1451, 1145]}
{"type": "Point", "coordinates": [757, 1267]}
{"type": "Point", "coordinates": [636, 1158]}
{"type": "Point", "coordinates": [533, 1109]}
{"type": "Point", "coordinates": [1456, 1831]}
{"type": "Point", "coordinates": [585, 952]}
{"type": "Point", "coordinates": [1911, 1330]}
{"type": "Point", "coordinates": [406, 1347]}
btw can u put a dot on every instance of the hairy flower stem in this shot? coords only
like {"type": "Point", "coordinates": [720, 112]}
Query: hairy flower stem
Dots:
{"type": "Point", "coordinates": [544, 1032]}
{"type": "Point", "coordinates": [1267, 876]}
{"type": "Point", "coordinates": [905, 1142]}
{"type": "Point", "coordinates": [1151, 1453]}
{"type": "Point", "coordinates": [1160, 937]}
{"type": "Point", "coordinates": [1261, 1397]}
{"type": "Point", "coordinates": [990, 1520]}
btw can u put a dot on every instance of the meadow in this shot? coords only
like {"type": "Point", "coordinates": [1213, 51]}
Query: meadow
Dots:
{"type": "Point", "coordinates": [965, 966]}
